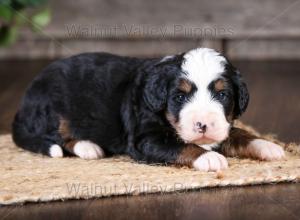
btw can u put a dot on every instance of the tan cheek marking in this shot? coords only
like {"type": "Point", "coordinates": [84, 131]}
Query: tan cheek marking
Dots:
{"type": "Point", "coordinates": [185, 86]}
{"type": "Point", "coordinates": [175, 125]}
{"type": "Point", "coordinates": [172, 120]}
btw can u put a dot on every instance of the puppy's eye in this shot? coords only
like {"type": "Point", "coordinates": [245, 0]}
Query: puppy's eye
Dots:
{"type": "Point", "coordinates": [222, 95]}
{"type": "Point", "coordinates": [180, 98]}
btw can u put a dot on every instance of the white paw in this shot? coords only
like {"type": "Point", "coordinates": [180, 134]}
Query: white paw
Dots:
{"type": "Point", "coordinates": [56, 151]}
{"type": "Point", "coordinates": [210, 161]}
{"type": "Point", "coordinates": [88, 150]}
{"type": "Point", "coordinates": [265, 150]}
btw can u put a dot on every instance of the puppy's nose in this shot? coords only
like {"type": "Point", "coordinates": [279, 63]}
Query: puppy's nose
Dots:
{"type": "Point", "coordinates": [201, 128]}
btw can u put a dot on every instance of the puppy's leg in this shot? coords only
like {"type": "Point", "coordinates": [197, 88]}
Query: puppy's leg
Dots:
{"type": "Point", "coordinates": [200, 159]}
{"type": "Point", "coordinates": [154, 150]}
{"type": "Point", "coordinates": [243, 144]}
{"type": "Point", "coordinates": [84, 149]}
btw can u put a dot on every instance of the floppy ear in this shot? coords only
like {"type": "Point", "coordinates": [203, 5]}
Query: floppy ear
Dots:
{"type": "Point", "coordinates": [155, 92]}
{"type": "Point", "coordinates": [241, 94]}
{"type": "Point", "coordinates": [156, 86]}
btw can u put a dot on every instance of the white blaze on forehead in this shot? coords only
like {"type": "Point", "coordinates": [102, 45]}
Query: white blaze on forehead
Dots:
{"type": "Point", "coordinates": [203, 65]}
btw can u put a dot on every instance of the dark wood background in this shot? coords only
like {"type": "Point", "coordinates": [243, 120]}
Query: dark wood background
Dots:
{"type": "Point", "coordinates": [244, 29]}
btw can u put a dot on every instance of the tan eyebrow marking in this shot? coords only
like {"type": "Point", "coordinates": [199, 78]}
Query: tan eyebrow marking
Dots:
{"type": "Point", "coordinates": [185, 86]}
{"type": "Point", "coordinates": [220, 84]}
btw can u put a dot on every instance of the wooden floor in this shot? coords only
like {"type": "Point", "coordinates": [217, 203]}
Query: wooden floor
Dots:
{"type": "Point", "coordinates": [253, 202]}
{"type": "Point", "coordinates": [274, 108]}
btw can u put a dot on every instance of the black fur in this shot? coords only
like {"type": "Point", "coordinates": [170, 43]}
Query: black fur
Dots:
{"type": "Point", "coordinates": [240, 91]}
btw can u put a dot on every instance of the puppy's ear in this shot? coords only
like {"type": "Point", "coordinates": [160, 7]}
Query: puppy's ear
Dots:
{"type": "Point", "coordinates": [241, 94]}
{"type": "Point", "coordinates": [156, 87]}
{"type": "Point", "coordinates": [156, 92]}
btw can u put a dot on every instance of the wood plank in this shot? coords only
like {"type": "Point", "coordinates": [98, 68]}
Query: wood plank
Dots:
{"type": "Point", "coordinates": [262, 49]}
{"type": "Point", "coordinates": [229, 19]}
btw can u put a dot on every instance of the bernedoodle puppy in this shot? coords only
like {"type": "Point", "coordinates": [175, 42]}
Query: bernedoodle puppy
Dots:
{"type": "Point", "coordinates": [172, 110]}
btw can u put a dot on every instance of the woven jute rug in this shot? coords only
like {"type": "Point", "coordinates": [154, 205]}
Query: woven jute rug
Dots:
{"type": "Point", "coordinates": [27, 177]}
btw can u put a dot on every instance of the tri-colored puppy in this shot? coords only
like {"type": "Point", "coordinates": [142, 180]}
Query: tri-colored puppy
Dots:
{"type": "Point", "coordinates": [173, 110]}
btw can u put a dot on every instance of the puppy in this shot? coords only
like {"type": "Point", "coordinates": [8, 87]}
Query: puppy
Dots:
{"type": "Point", "coordinates": [173, 110]}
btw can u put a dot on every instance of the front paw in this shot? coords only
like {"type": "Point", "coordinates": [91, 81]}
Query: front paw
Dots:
{"type": "Point", "coordinates": [265, 150]}
{"type": "Point", "coordinates": [210, 161]}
